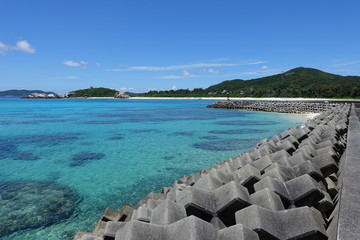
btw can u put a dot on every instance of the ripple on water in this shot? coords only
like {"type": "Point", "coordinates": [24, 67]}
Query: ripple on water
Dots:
{"type": "Point", "coordinates": [184, 133]}
{"type": "Point", "coordinates": [226, 145]}
{"type": "Point", "coordinates": [209, 137]}
{"type": "Point", "coordinates": [247, 123]}
{"type": "Point", "coordinates": [32, 204]}
{"type": "Point", "coordinates": [239, 131]}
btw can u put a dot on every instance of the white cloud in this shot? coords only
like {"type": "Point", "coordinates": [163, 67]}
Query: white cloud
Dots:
{"type": "Point", "coordinates": [255, 62]}
{"type": "Point", "coordinates": [345, 64]}
{"type": "Point", "coordinates": [22, 46]}
{"type": "Point", "coordinates": [125, 89]}
{"type": "Point", "coordinates": [71, 77]}
{"type": "Point", "coordinates": [184, 74]}
{"type": "Point", "coordinates": [3, 48]}
{"type": "Point", "coordinates": [264, 67]}
{"type": "Point", "coordinates": [264, 72]}
{"type": "Point", "coordinates": [209, 70]}
{"type": "Point", "coordinates": [71, 63]}
{"type": "Point", "coordinates": [183, 67]}
{"type": "Point", "coordinates": [172, 88]}
{"type": "Point", "coordinates": [179, 67]}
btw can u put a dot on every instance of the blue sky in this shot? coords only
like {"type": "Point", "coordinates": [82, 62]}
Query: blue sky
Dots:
{"type": "Point", "coordinates": [138, 45]}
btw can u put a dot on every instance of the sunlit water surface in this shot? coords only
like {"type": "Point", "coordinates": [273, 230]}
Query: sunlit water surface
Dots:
{"type": "Point", "coordinates": [109, 152]}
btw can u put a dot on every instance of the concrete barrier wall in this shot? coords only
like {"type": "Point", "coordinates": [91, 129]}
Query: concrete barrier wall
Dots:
{"type": "Point", "coordinates": [286, 187]}
{"type": "Point", "coordinates": [276, 106]}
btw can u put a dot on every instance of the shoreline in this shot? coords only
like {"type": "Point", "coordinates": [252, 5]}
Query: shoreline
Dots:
{"type": "Point", "coordinates": [225, 98]}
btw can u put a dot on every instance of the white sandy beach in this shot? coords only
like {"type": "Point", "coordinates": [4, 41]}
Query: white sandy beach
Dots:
{"type": "Point", "coordinates": [248, 98]}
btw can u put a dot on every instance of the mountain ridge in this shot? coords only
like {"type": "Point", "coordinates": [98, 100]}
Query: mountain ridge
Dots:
{"type": "Point", "coordinates": [297, 82]}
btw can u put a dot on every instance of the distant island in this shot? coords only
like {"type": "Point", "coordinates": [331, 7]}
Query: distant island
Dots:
{"type": "Point", "coordinates": [297, 82]}
{"type": "Point", "coordinates": [97, 92]}
{"type": "Point", "coordinates": [21, 93]}
{"type": "Point", "coordinates": [82, 93]}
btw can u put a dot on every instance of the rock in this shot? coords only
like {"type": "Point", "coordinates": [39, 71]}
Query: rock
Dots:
{"type": "Point", "coordinates": [32, 204]}
{"type": "Point", "coordinates": [121, 94]}
{"type": "Point", "coordinates": [42, 95]}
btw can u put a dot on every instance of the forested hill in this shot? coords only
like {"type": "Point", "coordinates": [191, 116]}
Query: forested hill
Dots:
{"type": "Point", "coordinates": [297, 82]}
{"type": "Point", "coordinates": [21, 93]}
{"type": "Point", "coordinates": [94, 92]}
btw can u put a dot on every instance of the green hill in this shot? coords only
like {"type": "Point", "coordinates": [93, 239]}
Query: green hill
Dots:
{"type": "Point", "coordinates": [94, 92]}
{"type": "Point", "coordinates": [21, 93]}
{"type": "Point", "coordinates": [297, 82]}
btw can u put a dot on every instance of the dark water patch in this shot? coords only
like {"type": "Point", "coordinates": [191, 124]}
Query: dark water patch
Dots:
{"type": "Point", "coordinates": [238, 131]}
{"type": "Point", "coordinates": [182, 134]}
{"type": "Point", "coordinates": [9, 146]}
{"type": "Point", "coordinates": [31, 204]}
{"type": "Point", "coordinates": [169, 158]}
{"type": "Point", "coordinates": [111, 115]}
{"type": "Point", "coordinates": [116, 137]}
{"type": "Point", "coordinates": [210, 137]}
{"type": "Point", "coordinates": [47, 140]}
{"type": "Point", "coordinates": [46, 116]}
{"type": "Point", "coordinates": [226, 145]}
{"type": "Point", "coordinates": [7, 149]}
{"type": "Point", "coordinates": [35, 122]}
{"type": "Point", "coordinates": [86, 143]}
{"type": "Point", "coordinates": [102, 122]}
{"type": "Point", "coordinates": [7, 122]}
{"type": "Point", "coordinates": [82, 158]}
{"type": "Point", "coordinates": [247, 123]}
{"type": "Point", "coordinates": [144, 130]}
{"type": "Point", "coordinates": [25, 156]}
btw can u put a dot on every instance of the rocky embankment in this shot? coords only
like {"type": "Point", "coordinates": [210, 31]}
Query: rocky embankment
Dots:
{"type": "Point", "coordinates": [276, 106]}
{"type": "Point", "coordinates": [286, 187]}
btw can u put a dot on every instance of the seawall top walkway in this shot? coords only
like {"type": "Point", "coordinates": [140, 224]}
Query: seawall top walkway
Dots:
{"type": "Point", "coordinates": [349, 209]}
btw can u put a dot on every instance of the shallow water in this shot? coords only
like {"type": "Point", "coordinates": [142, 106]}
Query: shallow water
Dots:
{"type": "Point", "coordinates": [115, 151]}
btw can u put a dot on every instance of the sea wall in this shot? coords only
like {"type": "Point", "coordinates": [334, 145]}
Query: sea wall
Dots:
{"type": "Point", "coordinates": [276, 106]}
{"type": "Point", "coordinates": [288, 187]}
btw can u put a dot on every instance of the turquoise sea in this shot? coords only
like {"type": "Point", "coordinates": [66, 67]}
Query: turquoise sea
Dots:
{"type": "Point", "coordinates": [79, 156]}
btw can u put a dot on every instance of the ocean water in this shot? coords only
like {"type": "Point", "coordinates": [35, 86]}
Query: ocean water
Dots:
{"type": "Point", "coordinates": [104, 153]}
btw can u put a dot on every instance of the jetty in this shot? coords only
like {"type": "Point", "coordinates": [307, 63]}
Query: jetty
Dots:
{"type": "Point", "coordinates": [300, 184]}
{"type": "Point", "coordinates": [277, 106]}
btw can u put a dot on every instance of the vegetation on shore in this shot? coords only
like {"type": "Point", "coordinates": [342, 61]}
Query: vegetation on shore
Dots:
{"type": "Point", "coordinates": [94, 92]}
{"type": "Point", "coordinates": [297, 82]}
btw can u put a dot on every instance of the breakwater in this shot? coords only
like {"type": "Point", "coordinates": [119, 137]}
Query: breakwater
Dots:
{"type": "Point", "coordinates": [286, 187]}
{"type": "Point", "coordinates": [277, 106]}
